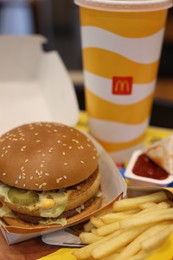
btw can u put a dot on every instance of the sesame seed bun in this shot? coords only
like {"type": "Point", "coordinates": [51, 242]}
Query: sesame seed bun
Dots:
{"type": "Point", "coordinates": [56, 162]}
{"type": "Point", "coordinates": [45, 156]}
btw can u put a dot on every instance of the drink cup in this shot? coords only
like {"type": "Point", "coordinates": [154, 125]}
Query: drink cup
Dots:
{"type": "Point", "coordinates": [121, 47]}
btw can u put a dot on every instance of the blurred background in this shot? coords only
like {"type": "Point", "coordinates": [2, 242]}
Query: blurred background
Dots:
{"type": "Point", "coordinates": [58, 21]}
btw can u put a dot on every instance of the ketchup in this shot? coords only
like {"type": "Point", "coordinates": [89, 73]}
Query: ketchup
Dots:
{"type": "Point", "coordinates": [145, 167]}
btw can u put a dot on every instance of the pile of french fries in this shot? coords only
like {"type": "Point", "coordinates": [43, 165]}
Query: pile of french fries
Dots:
{"type": "Point", "coordinates": [132, 229]}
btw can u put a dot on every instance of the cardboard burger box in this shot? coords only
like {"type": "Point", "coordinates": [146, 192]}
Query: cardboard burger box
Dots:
{"type": "Point", "coordinates": [35, 86]}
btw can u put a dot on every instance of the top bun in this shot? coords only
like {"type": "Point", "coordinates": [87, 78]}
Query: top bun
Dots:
{"type": "Point", "coordinates": [46, 156]}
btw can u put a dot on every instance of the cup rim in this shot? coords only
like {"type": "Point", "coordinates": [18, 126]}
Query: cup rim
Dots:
{"type": "Point", "coordinates": [125, 5]}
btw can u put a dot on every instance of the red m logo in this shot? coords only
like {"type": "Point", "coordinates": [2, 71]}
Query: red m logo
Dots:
{"type": "Point", "coordinates": [122, 85]}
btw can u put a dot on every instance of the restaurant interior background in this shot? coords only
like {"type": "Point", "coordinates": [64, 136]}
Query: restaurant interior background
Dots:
{"type": "Point", "coordinates": [58, 21]}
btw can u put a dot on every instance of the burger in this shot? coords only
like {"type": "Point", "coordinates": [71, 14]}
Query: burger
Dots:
{"type": "Point", "coordinates": [49, 174]}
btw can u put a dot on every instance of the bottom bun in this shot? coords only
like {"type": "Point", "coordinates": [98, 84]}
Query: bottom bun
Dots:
{"type": "Point", "coordinates": [87, 212]}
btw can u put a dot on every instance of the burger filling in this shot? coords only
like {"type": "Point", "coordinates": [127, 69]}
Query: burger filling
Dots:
{"type": "Point", "coordinates": [50, 204]}
{"type": "Point", "coordinates": [47, 204]}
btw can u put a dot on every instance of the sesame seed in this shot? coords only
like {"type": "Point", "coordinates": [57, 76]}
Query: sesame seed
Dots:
{"type": "Point", "coordinates": [59, 141]}
{"type": "Point", "coordinates": [64, 144]}
{"type": "Point", "coordinates": [31, 177]}
{"type": "Point", "coordinates": [38, 141]}
{"type": "Point", "coordinates": [65, 163]}
{"type": "Point", "coordinates": [82, 162]}
{"type": "Point", "coordinates": [39, 172]}
{"type": "Point", "coordinates": [80, 147]}
{"type": "Point", "coordinates": [65, 177]}
{"type": "Point", "coordinates": [50, 150]}
{"type": "Point", "coordinates": [76, 141]}
{"type": "Point", "coordinates": [59, 179]}
{"type": "Point", "coordinates": [36, 134]}
{"type": "Point", "coordinates": [26, 160]}
{"type": "Point", "coordinates": [47, 174]}
{"type": "Point", "coordinates": [24, 185]}
{"type": "Point", "coordinates": [70, 147]}
{"type": "Point", "coordinates": [22, 149]}
{"type": "Point", "coordinates": [16, 182]}
{"type": "Point", "coordinates": [44, 184]}
{"type": "Point", "coordinates": [63, 153]}
{"type": "Point", "coordinates": [94, 157]}
{"type": "Point", "coordinates": [64, 136]}
{"type": "Point", "coordinates": [4, 173]}
{"type": "Point", "coordinates": [20, 177]}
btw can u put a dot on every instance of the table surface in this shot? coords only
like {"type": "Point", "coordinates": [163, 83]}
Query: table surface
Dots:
{"type": "Point", "coordinates": [27, 250]}
{"type": "Point", "coordinates": [35, 248]}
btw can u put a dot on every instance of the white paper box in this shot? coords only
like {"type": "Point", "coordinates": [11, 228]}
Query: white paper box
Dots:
{"type": "Point", "coordinates": [35, 86]}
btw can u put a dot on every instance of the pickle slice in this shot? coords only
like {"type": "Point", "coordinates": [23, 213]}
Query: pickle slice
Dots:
{"type": "Point", "coordinates": [23, 197]}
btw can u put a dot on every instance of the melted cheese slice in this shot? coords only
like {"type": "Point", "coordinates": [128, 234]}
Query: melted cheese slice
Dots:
{"type": "Point", "coordinates": [50, 204]}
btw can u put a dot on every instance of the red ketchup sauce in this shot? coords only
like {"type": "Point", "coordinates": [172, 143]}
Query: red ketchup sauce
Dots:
{"type": "Point", "coordinates": [145, 167]}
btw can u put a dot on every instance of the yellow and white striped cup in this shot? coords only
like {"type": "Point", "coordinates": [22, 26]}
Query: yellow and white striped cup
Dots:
{"type": "Point", "coordinates": [121, 47]}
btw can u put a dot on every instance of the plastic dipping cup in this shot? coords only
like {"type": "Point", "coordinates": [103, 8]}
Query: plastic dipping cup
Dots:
{"type": "Point", "coordinates": [121, 47]}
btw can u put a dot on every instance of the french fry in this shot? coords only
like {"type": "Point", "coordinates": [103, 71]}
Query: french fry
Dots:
{"type": "Point", "coordinates": [88, 226]}
{"type": "Point", "coordinates": [156, 216]}
{"type": "Point", "coordinates": [127, 222]}
{"type": "Point", "coordinates": [94, 230]}
{"type": "Point", "coordinates": [161, 205]}
{"type": "Point", "coordinates": [110, 257]}
{"type": "Point", "coordinates": [155, 241]}
{"type": "Point", "coordinates": [113, 244]}
{"type": "Point", "coordinates": [139, 256]}
{"type": "Point", "coordinates": [96, 221]}
{"type": "Point", "coordinates": [130, 230]}
{"type": "Point", "coordinates": [108, 229]}
{"type": "Point", "coordinates": [135, 246]}
{"type": "Point", "coordinates": [132, 203]}
{"type": "Point", "coordinates": [147, 205]}
{"type": "Point", "coordinates": [112, 217]}
{"type": "Point", "coordinates": [85, 252]}
{"type": "Point", "coordinates": [88, 237]}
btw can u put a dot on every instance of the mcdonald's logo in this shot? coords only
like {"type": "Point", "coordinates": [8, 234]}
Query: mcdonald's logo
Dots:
{"type": "Point", "coordinates": [122, 85]}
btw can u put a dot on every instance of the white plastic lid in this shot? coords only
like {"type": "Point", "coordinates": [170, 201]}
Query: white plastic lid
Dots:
{"type": "Point", "coordinates": [126, 5]}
